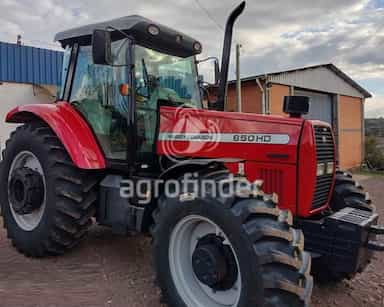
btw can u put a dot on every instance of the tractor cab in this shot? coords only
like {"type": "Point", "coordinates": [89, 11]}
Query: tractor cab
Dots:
{"type": "Point", "coordinates": [117, 74]}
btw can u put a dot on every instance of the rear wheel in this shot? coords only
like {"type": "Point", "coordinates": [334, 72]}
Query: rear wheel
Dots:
{"type": "Point", "coordinates": [46, 202]}
{"type": "Point", "coordinates": [215, 252]}
{"type": "Point", "coordinates": [347, 193]}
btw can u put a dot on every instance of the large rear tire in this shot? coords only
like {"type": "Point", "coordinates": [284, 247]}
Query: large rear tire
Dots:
{"type": "Point", "coordinates": [46, 202]}
{"type": "Point", "coordinates": [347, 193]}
{"type": "Point", "coordinates": [263, 256]}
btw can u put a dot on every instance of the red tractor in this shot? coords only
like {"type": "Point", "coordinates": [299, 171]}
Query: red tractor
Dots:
{"type": "Point", "coordinates": [130, 145]}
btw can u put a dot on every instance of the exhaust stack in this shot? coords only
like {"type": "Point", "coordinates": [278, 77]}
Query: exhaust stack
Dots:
{"type": "Point", "coordinates": [220, 104]}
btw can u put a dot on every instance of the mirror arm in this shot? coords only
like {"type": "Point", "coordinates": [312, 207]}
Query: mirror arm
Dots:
{"type": "Point", "coordinates": [120, 31]}
{"type": "Point", "coordinates": [207, 59]}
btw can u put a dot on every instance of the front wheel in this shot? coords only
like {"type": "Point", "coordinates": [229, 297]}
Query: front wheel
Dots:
{"type": "Point", "coordinates": [211, 252]}
{"type": "Point", "coordinates": [349, 193]}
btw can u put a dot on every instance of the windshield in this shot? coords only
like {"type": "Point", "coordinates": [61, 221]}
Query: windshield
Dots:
{"type": "Point", "coordinates": [166, 77]}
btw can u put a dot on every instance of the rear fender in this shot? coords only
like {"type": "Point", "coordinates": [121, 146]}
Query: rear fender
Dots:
{"type": "Point", "coordinates": [69, 126]}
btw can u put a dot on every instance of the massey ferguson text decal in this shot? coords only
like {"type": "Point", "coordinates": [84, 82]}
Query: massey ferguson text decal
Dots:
{"type": "Point", "coordinates": [251, 138]}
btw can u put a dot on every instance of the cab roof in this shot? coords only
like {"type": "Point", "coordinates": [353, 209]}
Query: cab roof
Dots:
{"type": "Point", "coordinates": [168, 40]}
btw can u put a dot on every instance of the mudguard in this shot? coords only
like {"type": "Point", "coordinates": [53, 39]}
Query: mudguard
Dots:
{"type": "Point", "coordinates": [69, 126]}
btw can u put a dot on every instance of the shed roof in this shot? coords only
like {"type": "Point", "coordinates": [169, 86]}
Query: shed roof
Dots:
{"type": "Point", "coordinates": [274, 76]}
{"type": "Point", "coordinates": [24, 64]}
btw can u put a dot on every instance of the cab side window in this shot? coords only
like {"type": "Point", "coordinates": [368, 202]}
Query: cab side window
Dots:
{"type": "Point", "coordinates": [95, 93]}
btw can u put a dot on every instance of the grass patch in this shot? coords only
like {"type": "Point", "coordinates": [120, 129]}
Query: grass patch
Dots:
{"type": "Point", "coordinates": [369, 173]}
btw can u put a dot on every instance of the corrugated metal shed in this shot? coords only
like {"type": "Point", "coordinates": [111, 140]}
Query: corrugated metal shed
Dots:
{"type": "Point", "coordinates": [325, 77]}
{"type": "Point", "coordinates": [319, 78]}
{"type": "Point", "coordinates": [23, 64]}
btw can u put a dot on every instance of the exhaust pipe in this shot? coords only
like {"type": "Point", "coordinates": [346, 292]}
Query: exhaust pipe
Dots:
{"type": "Point", "coordinates": [220, 103]}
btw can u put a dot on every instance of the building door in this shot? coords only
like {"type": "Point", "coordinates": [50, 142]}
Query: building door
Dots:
{"type": "Point", "coordinates": [320, 105]}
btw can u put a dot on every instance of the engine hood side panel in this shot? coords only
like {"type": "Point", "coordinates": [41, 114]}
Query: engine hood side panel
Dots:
{"type": "Point", "coordinates": [211, 134]}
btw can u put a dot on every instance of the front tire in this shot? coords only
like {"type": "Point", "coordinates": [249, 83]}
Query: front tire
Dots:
{"type": "Point", "coordinates": [349, 193]}
{"type": "Point", "coordinates": [59, 217]}
{"type": "Point", "coordinates": [264, 257]}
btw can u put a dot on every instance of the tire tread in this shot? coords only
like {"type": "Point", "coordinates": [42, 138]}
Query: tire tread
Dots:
{"type": "Point", "coordinates": [75, 192]}
{"type": "Point", "coordinates": [284, 264]}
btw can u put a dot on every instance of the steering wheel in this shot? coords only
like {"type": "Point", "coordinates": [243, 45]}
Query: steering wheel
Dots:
{"type": "Point", "coordinates": [150, 82]}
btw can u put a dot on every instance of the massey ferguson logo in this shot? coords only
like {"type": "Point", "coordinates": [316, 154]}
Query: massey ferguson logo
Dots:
{"type": "Point", "coordinates": [249, 138]}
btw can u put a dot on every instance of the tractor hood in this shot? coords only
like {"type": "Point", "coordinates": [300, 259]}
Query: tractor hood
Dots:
{"type": "Point", "coordinates": [186, 132]}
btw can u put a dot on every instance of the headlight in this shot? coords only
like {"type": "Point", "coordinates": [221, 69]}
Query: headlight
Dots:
{"type": "Point", "coordinates": [321, 168]}
{"type": "Point", "coordinates": [153, 30]}
{"type": "Point", "coordinates": [330, 167]}
{"type": "Point", "coordinates": [197, 46]}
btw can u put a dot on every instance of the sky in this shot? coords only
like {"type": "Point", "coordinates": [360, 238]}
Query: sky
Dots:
{"type": "Point", "coordinates": [275, 35]}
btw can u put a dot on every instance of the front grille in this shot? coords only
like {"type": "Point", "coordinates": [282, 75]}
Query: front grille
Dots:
{"type": "Point", "coordinates": [323, 186]}
{"type": "Point", "coordinates": [324, 144]}
{"type": "Point", "coordinates": [325, 152]}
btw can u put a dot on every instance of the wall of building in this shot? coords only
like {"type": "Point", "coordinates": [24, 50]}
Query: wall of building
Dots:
{"type": "Point", "coordinates": [350, 131]}
{"type": "Point", "coordinates": [251, 98]}
{"type": "Point", "coordinates": [276, 95]}
{"type": "Point", "coordinates": [24, 64]}
{"type": "Point", "coordinates": [14, 94]}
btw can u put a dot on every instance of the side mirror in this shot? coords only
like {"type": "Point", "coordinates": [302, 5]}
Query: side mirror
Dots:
{"type": "Point", "coordinates": [209, 74]}
{"type": "Point", "coordinates": [101, 47]}
{"type": "Point", "coordinates": [296, 106]}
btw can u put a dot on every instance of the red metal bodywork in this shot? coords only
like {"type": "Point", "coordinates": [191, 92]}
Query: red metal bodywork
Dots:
{"type": "Point", "coordinates": [286, 169]}
{"type": "Point", "coordinates": [69, 126]}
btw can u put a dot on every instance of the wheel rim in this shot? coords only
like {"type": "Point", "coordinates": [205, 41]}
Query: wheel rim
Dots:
{"type": "Point", "coordinates": [27, 222]}
{"type": "Point", "coordinates": [183, 242]}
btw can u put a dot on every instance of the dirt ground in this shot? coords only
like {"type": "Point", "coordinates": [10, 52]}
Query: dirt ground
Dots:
{"type": "Point", "coordinates": [107, 270]}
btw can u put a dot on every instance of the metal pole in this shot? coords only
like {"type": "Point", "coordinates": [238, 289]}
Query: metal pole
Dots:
{"type": "Point", "coordinates": [263, 100]}
{"type": "Point", "coordinates": [238, 80]}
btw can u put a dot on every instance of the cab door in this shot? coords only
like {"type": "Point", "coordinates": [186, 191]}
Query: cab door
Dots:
{"type": "Point", "coordinates": [96, 95]}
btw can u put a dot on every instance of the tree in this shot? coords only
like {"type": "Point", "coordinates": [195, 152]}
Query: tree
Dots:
{"type": "Point", "coordinates": [373, 154]}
